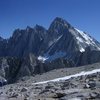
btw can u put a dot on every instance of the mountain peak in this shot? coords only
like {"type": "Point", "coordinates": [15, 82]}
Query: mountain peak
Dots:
{"type": "Point", "coordinates": [16, 32]}
{"type": "Point", "coordinates": [39, 28]}
{"type": "Point", "coordinates": [29, 29]}
{"type": "Point", "coordinates": [59, 22]}
{"type": "Point", "coordinates": [58, 19]}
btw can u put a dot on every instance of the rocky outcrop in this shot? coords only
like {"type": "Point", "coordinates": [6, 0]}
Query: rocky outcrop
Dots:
{"type": "Point", "coordinates": [9, 68]}
{"type": "Point", "coordinates": [3, 46]}
{"type": "Point", "coordinates": [88, 57]}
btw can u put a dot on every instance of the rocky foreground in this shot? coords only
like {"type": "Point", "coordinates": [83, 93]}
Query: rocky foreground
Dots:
{"type": "Point", "coordinates": [80, 88]}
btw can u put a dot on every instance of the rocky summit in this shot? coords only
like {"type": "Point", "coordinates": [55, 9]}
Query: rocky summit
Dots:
{"type": "Point", "coordinates": [32, 56]}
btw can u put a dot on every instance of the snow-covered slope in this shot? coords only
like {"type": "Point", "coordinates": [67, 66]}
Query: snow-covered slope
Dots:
{"type": "Point", "coordinates": [84, 40]}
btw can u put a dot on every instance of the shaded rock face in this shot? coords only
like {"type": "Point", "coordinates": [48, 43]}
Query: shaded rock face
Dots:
{"type": "Point", "coordinates": [88, 57]}
{"type": "Point", "coordinates": [30, 66]}
{"type": "Point", "coordinates": [3, 47]}
{"type": "Point", "coordinates": [13, 68]}
{"type": "Point", "coordinates": [26, 41]}
{"type": "Point", "coordinates": [63, 39]}
{"type": "Point", "coordinates": [9, 68]}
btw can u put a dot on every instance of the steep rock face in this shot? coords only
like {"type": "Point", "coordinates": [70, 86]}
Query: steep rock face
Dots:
{"type": "Point", "coordinates": [88, 57]}
{"type": "Point", "coordinates": [56, 29]}
{"type": "Point", "coordinates": [9, 68]}
{"type": "Point", "coordinates": [26, 41]}
{"type": "Point", "coordinates": [31, 66]}
{"type": "Point", "coordinates": [12, 68]}
{"type": "Point", "coordinates": [28, 66]}
{"type": "Point", "coordinates": [3, 46]}
{"type": "Point", "coordinates": [67, 41]}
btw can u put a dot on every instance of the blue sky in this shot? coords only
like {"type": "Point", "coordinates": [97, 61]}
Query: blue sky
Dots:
{"type": "Point", "coordinates": [83, 14]}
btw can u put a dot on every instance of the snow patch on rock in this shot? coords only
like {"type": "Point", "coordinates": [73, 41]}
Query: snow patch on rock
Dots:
{"type": "Point", "coordinates": [56, 55]}
{"type": "Point", "coordinates": [42, 59]}
{"type": "Point", "coordinates": [86, 39]}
